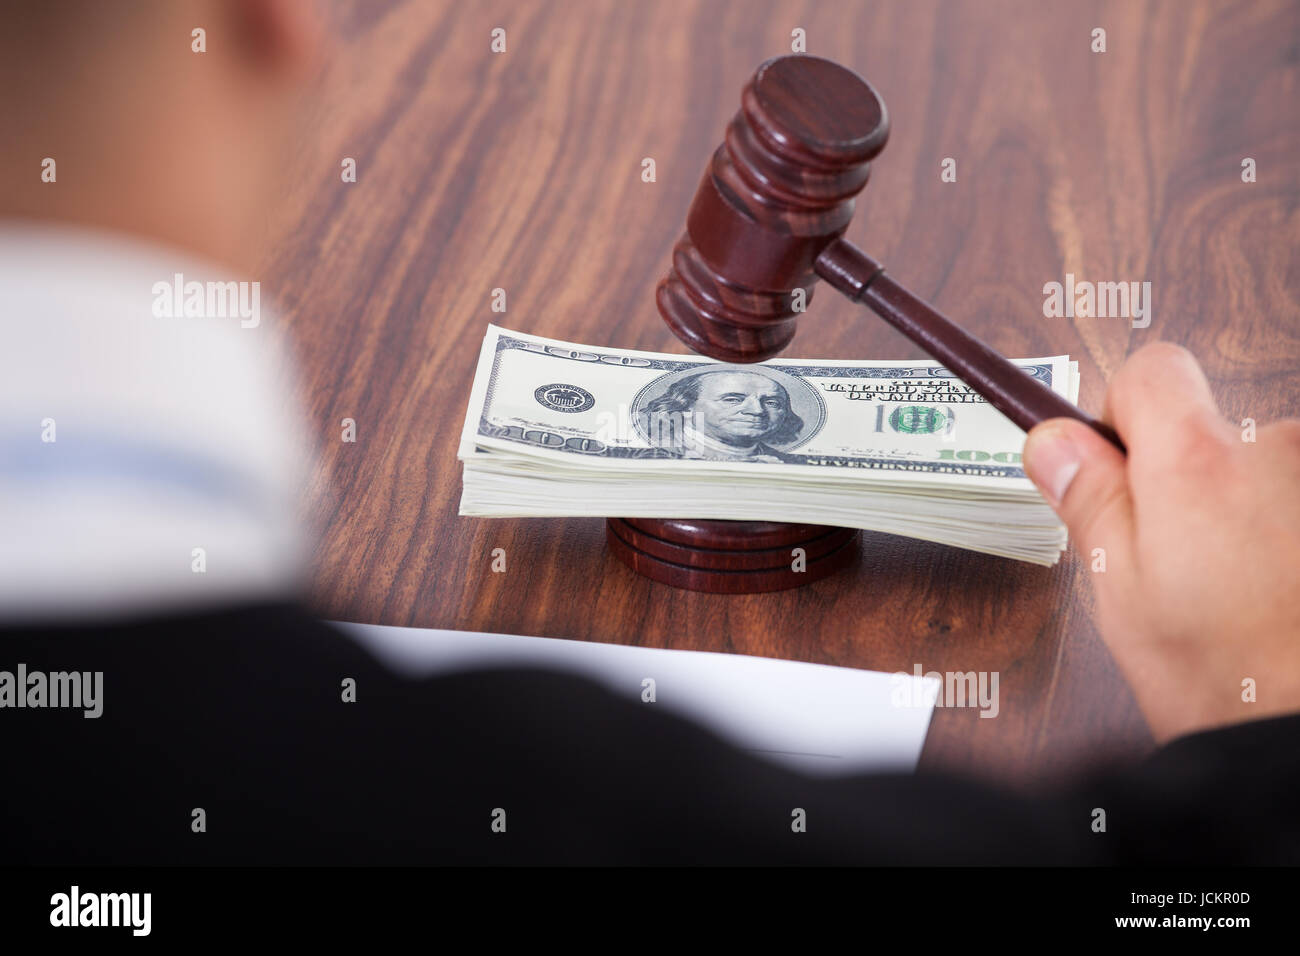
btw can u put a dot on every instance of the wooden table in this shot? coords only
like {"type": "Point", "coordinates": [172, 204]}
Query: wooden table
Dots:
{"type": "Point", "coordinates": [522, 171]}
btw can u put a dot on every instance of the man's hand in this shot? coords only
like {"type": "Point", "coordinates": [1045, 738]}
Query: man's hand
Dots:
{"type": "Point", "coordinates": [1200, 531]}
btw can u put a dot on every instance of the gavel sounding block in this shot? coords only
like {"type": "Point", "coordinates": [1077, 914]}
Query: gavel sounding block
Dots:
{"type": "Point", "coordinates": [730, 557]}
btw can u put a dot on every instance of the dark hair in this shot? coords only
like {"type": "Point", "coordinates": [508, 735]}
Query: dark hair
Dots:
{"type": "Point", "coordinates": [682, 395]}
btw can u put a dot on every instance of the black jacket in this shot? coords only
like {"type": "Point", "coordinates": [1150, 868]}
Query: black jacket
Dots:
{"type": "Point", "coordinates": [240, 714]}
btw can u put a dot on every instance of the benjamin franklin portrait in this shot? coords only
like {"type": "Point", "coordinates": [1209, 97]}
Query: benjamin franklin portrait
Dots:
{"type": "Point", "coordinates": [728, 413]}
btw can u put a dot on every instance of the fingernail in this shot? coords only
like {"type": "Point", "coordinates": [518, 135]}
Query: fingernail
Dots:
{"type": "Point", "coordinates": [1051, 462]}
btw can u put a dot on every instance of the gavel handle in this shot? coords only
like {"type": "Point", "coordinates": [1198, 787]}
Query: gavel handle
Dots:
{"type": "Point", "coordinates": [1023, 399]}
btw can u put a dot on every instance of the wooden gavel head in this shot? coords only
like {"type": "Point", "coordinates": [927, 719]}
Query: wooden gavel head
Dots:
{"type": "Point", "coordinates": [777, 192]}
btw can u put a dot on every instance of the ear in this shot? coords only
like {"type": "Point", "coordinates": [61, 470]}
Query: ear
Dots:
{"type": "Point", "coordinates": [283, 36]}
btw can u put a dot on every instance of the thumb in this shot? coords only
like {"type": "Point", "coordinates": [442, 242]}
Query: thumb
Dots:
{"type": "Point", "coordinates": [1085, 480]}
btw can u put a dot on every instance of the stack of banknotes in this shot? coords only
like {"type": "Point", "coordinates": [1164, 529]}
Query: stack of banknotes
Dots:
{"type": "Point", "coordinates": [558, 429]}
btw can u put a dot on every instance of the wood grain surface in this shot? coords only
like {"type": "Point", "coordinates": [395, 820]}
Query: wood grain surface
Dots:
{"type": "Point", "coordinates": [523, 171]}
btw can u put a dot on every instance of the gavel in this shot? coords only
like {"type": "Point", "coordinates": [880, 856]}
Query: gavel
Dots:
{"type": "Point", "coordinates": [768, 220]}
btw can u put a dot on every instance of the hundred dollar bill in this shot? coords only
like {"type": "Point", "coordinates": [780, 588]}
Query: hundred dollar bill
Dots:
{"type": "Point", "coordinates": [902, 446]}
{"type": "Point", "coordinates": [601, 407]}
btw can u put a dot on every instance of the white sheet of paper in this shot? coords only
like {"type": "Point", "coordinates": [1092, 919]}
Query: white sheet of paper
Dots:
{"type": "Point", "coordinates": [827, 721]}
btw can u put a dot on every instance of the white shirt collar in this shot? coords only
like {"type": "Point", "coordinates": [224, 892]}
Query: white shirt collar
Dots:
{"type": "Point", "coordinates": [169, 435]}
